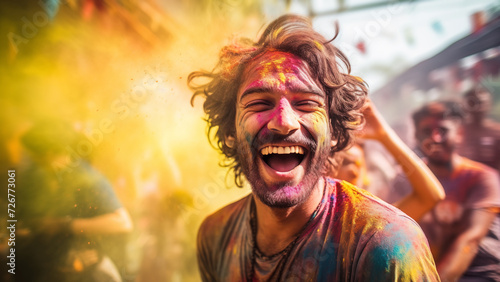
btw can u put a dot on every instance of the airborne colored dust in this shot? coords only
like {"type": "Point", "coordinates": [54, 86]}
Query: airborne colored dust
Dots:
{"type": "Point", "coordinates": [116, 72]}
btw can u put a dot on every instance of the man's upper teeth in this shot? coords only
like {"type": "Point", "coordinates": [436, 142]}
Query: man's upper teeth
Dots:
{"type": "Point", "coordinates": [282, 150]}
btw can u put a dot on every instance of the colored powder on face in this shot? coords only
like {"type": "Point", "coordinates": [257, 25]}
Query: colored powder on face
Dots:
{"type": "Point", "coordinates": [293, 190]}
{"type": "Point", "coordinates": [274, 66]}
{"type": "Point", "coordinates": [278, 65]}
{"type": "Point", "coordinates": [281, 77]}
{"type": "Point", "coordinates": [280, 70]}
{"type": "Point", "coordinates": [320, 124]}
{"type": "Point", "coordinates": [248, 138]}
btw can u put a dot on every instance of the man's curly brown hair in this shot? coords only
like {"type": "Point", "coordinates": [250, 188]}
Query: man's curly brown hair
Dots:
{"type": "Point", "coordinates": [345, 94]}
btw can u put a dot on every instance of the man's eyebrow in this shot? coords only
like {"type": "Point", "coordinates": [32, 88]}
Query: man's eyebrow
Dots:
{"type": "Point", "coordinates": [292, 89]}
{"type": "Point", "coordinates": [256, 90]}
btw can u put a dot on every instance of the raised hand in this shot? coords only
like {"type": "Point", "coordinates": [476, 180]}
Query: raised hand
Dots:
{"type": "Point", "coordinates": [375, 125]}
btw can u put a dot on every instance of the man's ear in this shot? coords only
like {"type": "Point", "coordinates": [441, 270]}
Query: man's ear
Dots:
{"type": "Point", "coordinates": [333, 143]}
{"type": "Point", "coordinates": [230, 140]}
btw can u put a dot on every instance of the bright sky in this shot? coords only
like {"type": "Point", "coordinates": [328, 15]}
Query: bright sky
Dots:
{"type": "Point", "coordinates": [396, 36]}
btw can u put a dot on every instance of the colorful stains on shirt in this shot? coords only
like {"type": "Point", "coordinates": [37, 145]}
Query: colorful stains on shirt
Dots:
{"type": "Point", "coordinates": [354, 237]}
{"type": "Point", "coordinates": [471, 186]}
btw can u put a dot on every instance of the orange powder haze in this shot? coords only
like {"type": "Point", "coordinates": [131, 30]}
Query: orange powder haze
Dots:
{"type": "Point", "coordinates": [117, 74]}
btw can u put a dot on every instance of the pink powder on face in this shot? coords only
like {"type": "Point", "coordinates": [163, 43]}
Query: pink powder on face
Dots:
{"type": "Point", "coordinates": [293, 190]}
{"type": "Point", "coordinates": [277, 69]}
{"type": "Point", "coordinates": [280, 64]}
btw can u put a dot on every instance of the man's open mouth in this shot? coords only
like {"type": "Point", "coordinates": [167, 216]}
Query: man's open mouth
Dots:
{"type": "Point", "coordinates": [429, 147]}
{"type": "Point", "coordinates": [283, 158]}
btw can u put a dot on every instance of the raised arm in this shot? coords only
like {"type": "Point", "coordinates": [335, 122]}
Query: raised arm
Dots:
{"type": "Point", "coordinates": [111, 223]}
{"type": "Point", "coordinates": [427, 190]}
{"type": "Point", "coordinates": [114, 222]}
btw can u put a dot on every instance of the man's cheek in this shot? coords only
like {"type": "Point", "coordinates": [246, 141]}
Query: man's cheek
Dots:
{"type": "Point", "coordinates": [248, 139]}
{"type": "Point", "coordinates": [320, 125]}
{"type": "Point", "coordinates": [245, 140]}
{"type": "Point", "coordinates": [320, 117]}
{"type": "Point", "coordinates": [239, 119]}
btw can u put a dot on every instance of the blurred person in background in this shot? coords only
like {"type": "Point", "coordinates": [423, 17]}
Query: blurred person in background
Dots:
{"type": "Point", "coordinates": [65, 208]}
{"type": "Point", "coordinates": [350, 165]}
{"type": "Point", "coordinates": [463, 230]}
{"type": "Point", "coordinates": [168, 253]}
{"type": "Point", "coordinates": [278, 107]}
{"type": "Point", "coordinates": [481, 138]}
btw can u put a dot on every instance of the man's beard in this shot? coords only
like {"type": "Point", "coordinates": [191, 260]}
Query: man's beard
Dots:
{"type": "Point", "coordinates": [438, 162]}
{"type": "Point", "coordinates": [436, 159]}
{"type": "Point", "coordinates": [280, 194]}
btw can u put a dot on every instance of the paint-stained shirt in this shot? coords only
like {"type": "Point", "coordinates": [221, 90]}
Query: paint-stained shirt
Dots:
{"type": "Point", "coordinates": [353, 237]}
{"type": "Point", "coordinates": [471, 186]}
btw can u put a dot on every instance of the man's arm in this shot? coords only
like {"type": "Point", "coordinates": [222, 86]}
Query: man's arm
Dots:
{"type": "Point", "coordinates": [427, 190]}
{"type": "Point", "coordinates": [114, 222]}
{"type": "Point", "coordinates": [462, 251]}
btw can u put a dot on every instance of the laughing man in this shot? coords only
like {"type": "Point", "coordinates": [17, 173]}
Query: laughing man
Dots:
{"type": "Point", "coordinates": [278, 107]}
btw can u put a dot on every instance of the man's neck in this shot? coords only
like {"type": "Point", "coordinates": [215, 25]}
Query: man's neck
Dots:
{"type": "Point", "coordinates": [278, 227]}
{"type": "Point", "coordinates": [477, 121]}
{"type": "Point", "coordinates": [445, 170]}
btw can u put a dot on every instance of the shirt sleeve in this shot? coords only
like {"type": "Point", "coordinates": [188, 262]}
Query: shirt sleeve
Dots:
{"type": "Point", "coordinates": [399, 252]}
{"type": "Point", "coordinates": [204, 254]}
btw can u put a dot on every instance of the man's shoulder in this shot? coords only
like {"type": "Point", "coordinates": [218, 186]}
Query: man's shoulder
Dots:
{"type": "Point", "coordinates": [480, 183]}
{"type": "Point", "coordinates": [364, 207]}
{"type": "Point", "coordinates": [379, 229]}
{"type": "Point", "coordinates": [473, 168]}
{"type": "Point", "coordinates": [358, 198]}
{"type": "Point", "coordinates": [493, 126]}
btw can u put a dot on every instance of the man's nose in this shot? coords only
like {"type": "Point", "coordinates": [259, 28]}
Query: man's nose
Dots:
{"type": "Point", "coordinates": [437, 135]}
{"type": "Point", "coordinates": [284, 120]}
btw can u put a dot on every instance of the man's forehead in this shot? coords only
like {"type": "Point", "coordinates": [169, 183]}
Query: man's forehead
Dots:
{"type": "Point", "coordinates": [273, 61]}
{"type": "Point", "coordinates": [278, 71]}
